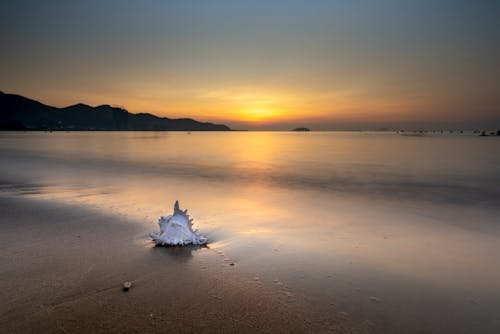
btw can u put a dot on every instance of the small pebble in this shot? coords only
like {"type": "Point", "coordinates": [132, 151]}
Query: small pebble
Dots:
{"type": "Point", "coordinates": [127, 286]}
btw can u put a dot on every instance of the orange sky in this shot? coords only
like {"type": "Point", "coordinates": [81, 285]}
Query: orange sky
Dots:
{"type": "Point", "coordinates": [261, 64]}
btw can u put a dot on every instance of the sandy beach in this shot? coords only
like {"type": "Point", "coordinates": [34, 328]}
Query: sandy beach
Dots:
{"type": "Point", "coordinates": [63, 269]}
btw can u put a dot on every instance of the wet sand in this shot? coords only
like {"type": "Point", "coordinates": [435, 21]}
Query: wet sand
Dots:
{"type": "Point", "coordinates": [63, 267]}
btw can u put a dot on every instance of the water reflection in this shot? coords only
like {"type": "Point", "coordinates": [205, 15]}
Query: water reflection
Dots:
{"type": "Point", "coordinates": [458, 169]}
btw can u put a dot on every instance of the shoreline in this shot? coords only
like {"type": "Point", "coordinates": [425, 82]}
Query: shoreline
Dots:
{"type": "Point", "coordinates": [63, 268]}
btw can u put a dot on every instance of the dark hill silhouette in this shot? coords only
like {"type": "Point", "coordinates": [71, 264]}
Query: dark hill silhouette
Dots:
{"type": "Point", "coordinates": [20, 113]}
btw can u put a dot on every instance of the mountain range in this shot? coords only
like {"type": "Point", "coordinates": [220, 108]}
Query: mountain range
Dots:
{"type": "Point", "coordinates": [20, 113]}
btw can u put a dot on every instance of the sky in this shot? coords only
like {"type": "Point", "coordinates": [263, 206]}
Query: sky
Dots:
{"type": "Point", "coordinates": [358, 64]}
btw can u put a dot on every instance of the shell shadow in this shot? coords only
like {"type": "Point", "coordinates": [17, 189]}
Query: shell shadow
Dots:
{"type": "Point", "coordinates": [177, 253]}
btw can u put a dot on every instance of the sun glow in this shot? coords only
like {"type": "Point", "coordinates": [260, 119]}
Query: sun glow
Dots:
{"type": "Point", "coordinates": [259, 115]}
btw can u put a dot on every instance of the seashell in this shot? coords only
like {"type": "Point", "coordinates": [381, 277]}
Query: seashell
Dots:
{"type": "Point", "coordinates": [177, 230]}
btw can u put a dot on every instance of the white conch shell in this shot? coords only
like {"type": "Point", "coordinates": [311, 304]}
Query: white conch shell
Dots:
{"type": "Point", "coordinates": [177, 229]}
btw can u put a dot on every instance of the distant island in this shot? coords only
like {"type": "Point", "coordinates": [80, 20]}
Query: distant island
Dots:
{"type": "Point", "coordinates": [20, 113]}
{"type": "Point", "coordinates": [301, 129]}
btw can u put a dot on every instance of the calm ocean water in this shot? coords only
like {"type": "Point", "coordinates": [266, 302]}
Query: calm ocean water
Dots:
{"type": "Point", "coordinates": [400, 230]}
{"type": "Point", "coordinates": [463, 168]}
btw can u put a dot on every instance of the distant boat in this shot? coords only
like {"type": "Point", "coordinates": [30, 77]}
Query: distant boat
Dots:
{"type": "Point", "coordinates": [487, 134]}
